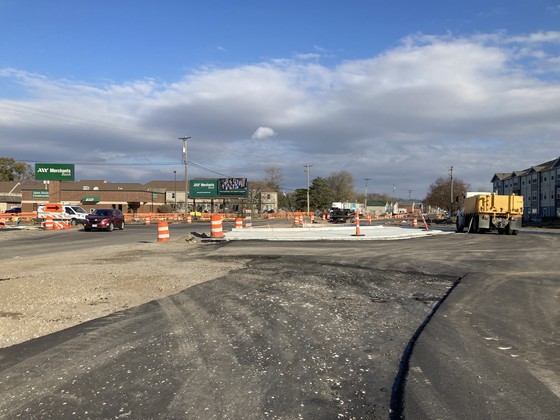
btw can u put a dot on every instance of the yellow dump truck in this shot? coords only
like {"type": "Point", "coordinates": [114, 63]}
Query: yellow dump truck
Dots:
{"type": "Point", "coordinates": [484, 212]}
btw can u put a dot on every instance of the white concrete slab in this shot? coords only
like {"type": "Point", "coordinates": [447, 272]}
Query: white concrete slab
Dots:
{"type": "Point", "coordinates": [334, 233]}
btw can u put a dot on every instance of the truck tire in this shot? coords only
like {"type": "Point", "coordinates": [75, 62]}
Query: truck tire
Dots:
{"type": "Point", "coordinates": [474, 225]}
{"type": "Point", "coordinates": [459, 227]}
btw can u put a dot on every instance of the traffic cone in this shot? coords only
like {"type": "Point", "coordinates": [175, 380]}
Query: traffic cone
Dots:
{"type": "Point", "coordinates": [358, 226]}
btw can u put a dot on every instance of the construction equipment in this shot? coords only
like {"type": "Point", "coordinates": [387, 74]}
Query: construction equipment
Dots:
{"type": "Point", "coordinates": [485, 212]}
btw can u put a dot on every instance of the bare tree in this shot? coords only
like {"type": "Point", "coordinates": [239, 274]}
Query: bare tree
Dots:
{"type": "Point", "coordinates": [342, 186]}
{"type": "Point", "coordinates": [439, 194]}
{"type": "Point", "coordinates": [274, 178]}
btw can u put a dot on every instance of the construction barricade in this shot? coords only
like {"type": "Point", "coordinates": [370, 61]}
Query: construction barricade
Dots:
{"type": "Point", "coordinates": [238, 223]}
{"type": "Point", "coordinates": [162, 232]}
{"type": "Point", "coordinates": [216, 231]}
{"type": "Point", "coordinates": [49, 224]}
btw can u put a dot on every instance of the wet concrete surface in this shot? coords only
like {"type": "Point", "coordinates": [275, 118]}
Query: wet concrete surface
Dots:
{"type": "Point", "coordinates": [317, 330]}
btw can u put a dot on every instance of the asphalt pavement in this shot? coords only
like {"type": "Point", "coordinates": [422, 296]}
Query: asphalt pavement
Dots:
{"type": "Point", "coordinates": [438, 325]}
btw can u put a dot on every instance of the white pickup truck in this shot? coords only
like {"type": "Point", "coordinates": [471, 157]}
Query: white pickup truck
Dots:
{"type": "Point", "coordinates": [74, 214]}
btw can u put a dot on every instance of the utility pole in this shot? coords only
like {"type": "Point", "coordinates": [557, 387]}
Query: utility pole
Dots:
{"type": "Point", "coordinates": [184, 140]}
{"type": "Point", "coordinates": [451, 205]}
{"type": "Point", "coordinates": [365, 200]}
{"type": "Point", "coordinates": [175, 195]}
{"type": "Point", "coordinates": [395, 199]}
{"type": "Point", "coordinates": [308, 171]}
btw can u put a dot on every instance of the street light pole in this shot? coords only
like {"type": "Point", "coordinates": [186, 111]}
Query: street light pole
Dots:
{"type": "Point", "coordinates": [307, 170]}
{"type": "Point", "coordinates": [184, 140]}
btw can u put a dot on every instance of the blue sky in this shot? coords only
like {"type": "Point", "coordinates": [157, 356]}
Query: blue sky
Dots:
{"type": "Point", "coordinates": [395, 91]}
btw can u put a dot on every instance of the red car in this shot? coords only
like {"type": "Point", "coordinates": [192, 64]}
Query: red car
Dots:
{"type": "Point", "coordinates": [104, 219]}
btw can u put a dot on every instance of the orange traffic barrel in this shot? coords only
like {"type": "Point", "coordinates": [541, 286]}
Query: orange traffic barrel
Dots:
{"type": "Point", "coordinates": [49, 224]}
{"type": "Point", "coordinates": [147, 220]}
{"type": "Point", "coordinates": [162, 232]}
{"type": "Point", "coordinates": [238, 223]}
{"type": "Point", "coordinates": [216, 226]}
{"type": "Point", "coordinates": [414, 222]}
{"type": "Point", "coordinates": [189, 218]}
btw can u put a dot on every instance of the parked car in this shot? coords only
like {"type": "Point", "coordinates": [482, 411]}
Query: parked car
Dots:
{"type": "Point", "coordinates": [104, 219]}
{"type": "Point", "coordinates": [16, 210]}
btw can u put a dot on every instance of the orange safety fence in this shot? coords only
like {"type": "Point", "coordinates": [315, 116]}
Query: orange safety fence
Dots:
{"type": "Point", "coordinates": [27, 216]}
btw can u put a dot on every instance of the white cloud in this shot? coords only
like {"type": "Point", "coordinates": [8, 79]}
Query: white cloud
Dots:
{"type": "Point", "coordinates": [402, 117]}
{"type": "Point", "coordinates": [263, 133]}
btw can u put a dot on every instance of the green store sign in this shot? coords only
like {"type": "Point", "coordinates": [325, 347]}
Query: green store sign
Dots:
{"type": "Point", "coordinates": [54, 172]}
{"type": "Point", "coordinates": [40, 194]}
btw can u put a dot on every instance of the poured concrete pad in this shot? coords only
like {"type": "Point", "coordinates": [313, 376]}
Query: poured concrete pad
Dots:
{"type": "Point", "coordinates": [335, 233]}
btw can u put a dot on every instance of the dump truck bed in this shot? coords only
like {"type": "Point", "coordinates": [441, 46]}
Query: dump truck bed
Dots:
{"type": "Point", "coordinates": [494, 204]}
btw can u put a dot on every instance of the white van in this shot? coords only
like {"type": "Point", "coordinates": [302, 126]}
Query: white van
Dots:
{"type": "Point", "coordinates": [74, 214]}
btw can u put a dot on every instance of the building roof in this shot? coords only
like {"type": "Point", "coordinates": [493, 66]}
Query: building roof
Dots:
{"type": "Point", "coordinates": [555, 163]}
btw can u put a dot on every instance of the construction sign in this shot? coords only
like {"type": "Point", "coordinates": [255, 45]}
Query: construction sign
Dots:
{"type": "Point", "coordinates": [53, 207]}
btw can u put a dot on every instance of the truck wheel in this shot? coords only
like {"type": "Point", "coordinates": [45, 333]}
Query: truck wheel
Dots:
{"type": "Point", "coordinates": [474, 225]}
{"type": "Point", "coordinates": [459, 227]}
{"type": "Point", "coordinates": [73, 222]}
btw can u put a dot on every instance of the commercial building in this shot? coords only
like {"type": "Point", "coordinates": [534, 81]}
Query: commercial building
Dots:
{"type": "Point", "coordinates": [539, 185]}
{"type": "Point", "coordinates": [152, 197]}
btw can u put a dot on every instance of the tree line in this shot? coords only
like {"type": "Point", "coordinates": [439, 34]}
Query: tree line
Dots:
{"type": "Point", "coordinates": [340, 187]}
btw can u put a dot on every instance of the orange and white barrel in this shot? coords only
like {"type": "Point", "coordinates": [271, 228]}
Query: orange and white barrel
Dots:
{"type": "Point", "coordinates": [414, 222]}
{"type": "Point", "coordinates": [2, 223]}
{"type": "Point", "coordinates": [147, 221]}
{"type": "Point", "coordinates": [162, 232]}
{"type": "Point", "coordinates": [238, 223]}
{"type": "Point", "coordinates": [49, 224]}
{"type": "Point", "coordinates": [216, 230]}
{"type": "Point", "coordinates": [189, 218]}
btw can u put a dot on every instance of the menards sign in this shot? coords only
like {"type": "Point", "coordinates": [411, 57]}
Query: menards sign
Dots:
{"type": "Point", "coordinates": [54, 172]}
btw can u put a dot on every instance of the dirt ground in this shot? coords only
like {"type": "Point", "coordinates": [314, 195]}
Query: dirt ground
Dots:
{"type": "Point", "coordinates": [39, 296]}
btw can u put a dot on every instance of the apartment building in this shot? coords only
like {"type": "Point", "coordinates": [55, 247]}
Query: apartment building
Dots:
{"type": "Point", "coordinates": [539, 185]}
